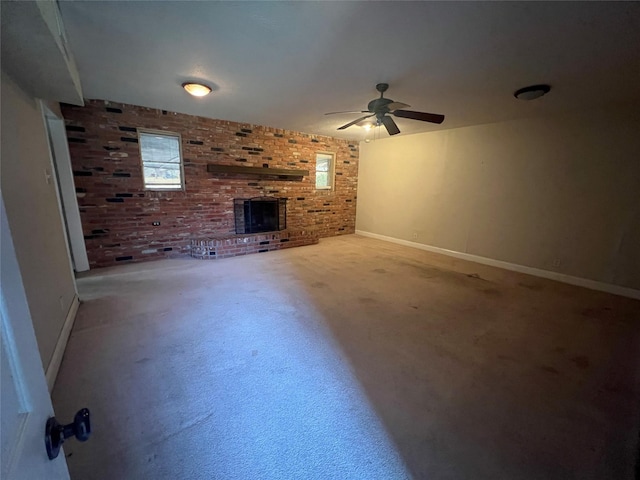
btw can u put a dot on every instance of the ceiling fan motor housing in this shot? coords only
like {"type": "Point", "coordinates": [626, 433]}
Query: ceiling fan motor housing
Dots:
{"type": "Point", "coordinates": [379, 105]}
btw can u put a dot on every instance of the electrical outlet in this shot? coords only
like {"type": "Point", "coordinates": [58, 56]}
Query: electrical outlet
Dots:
{"type": "Point", "coordinates": [556, 262]}
{"type": "Point", "coordinates": [415, 235]}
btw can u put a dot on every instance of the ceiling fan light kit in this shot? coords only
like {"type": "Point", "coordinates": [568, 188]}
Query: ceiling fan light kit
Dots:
{"type": "Point", "coordinates": [382, 107]}
{"type": "Point", "coordinates": [532, 92]}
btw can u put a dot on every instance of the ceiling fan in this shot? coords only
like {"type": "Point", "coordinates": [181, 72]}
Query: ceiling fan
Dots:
{"type": "Point", "coordinates": [382, 107]}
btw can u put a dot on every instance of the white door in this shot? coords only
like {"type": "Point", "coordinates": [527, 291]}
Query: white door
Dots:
{"type": "Point", "coordinates": [25, 403]}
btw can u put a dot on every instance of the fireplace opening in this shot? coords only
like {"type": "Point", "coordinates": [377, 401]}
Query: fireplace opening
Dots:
{"type": "Point", "coordinates": [260, 214]}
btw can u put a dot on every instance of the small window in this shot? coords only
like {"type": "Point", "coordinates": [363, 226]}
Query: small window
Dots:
{"type": "Point", "coordinates": [324, 170]}
{"type": "Point", "coordinates": [161, 161]}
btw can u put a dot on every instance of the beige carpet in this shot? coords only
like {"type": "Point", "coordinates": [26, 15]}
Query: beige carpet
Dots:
{"type": "Point", "coordinates": [351, 359]}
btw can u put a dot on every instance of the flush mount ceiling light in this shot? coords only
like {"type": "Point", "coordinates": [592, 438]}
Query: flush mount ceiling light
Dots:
{"type": "Point", "coordinates": [197, 89]}
{"type": "Point", "coordinates": [532, 92]}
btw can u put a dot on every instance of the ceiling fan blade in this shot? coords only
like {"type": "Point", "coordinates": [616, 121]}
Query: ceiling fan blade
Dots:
{"type": "Point", "coordinates": [355, 121]}
{"type": "Point", "coordinates": [390, 125]}
{"type": "Point", "coordinates": [396, 105]}
{"type": "Point", "coordinates": [353, 111]}
{"type": "Point", "coordinates": [422, 116]}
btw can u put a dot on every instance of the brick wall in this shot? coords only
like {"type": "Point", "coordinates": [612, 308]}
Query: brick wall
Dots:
{"type": "Point", "coordinates": [118, 213]}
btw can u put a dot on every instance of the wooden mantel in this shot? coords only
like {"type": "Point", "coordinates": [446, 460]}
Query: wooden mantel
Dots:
{"type": "Point", "coordinates": [263, 171]}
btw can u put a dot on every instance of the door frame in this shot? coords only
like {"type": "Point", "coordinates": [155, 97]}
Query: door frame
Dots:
{"type": "Point", "coordinates": [65, 187]}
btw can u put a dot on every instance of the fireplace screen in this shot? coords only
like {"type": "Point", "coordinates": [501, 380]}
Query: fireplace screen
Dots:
{"type": "Point", "coordinates": [260, 214]}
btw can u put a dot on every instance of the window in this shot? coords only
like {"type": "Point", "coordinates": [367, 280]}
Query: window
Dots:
{"type": "Point", "coordinates": [161, 161]}
{"type": "Point", "coordinates": [324, 170]}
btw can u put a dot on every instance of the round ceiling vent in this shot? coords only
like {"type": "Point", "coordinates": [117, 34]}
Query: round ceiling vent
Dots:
{"type": "Point", "coordinates": [532, 92]}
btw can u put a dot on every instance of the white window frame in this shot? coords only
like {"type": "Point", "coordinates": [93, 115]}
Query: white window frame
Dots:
{"type": "Point", "coordinates": [332, 171]}
{"type": "Point", "coordinates": [162, 133]}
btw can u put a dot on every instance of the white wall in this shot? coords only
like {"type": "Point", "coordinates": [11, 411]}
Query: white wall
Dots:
{"type": "Point", "coordinates": [559, 194]}
{"type": "Point", "coordinates": [34, 216]}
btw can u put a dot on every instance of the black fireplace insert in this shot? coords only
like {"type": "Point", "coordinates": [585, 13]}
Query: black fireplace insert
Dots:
{"type": "Point", "coordinates": [260, 214]}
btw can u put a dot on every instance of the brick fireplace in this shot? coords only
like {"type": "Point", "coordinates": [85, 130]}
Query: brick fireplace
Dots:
{"type": "Point", "coordinates": [123, 222]}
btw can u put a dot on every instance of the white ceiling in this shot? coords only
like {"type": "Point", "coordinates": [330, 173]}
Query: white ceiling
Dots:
{"type": "Point", "coordinates": [284, 64]}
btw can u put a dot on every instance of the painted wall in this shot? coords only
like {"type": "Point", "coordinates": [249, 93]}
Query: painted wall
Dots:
{"type": "Point", "coordinates": [559, 194]}
{"type": "Point", "coordinates": [34, 216]}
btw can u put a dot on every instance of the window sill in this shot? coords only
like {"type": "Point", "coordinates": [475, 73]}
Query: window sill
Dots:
{"type": "Point", "coordinates": [160, 189]}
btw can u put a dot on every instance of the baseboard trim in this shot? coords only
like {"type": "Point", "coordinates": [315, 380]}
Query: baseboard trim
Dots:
{"type": "Point", "coordinates": [61, 345]}
{"type": "Point", "coordinates": [560, 277]}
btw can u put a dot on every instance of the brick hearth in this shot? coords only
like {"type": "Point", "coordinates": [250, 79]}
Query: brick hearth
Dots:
{"type": "Point", "coordinates": [233, 245]}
